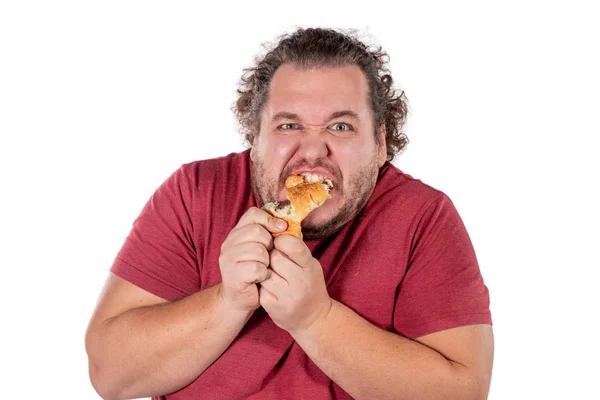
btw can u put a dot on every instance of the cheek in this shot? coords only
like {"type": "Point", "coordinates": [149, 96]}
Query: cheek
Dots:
{"type": "Point", "coordinates": [275, 152]}
{"type": "Point", "coordinates": [354, 157]}
{"type": "Point", "coordinates": [282, 148]}
{"type": "Point", "coordinates": [349, 155]}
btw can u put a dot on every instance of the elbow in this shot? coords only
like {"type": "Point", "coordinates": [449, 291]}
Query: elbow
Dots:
{"type": "Point", "coordinates": [105, 389]}
{"type": "Point", "coordinates": [102, 381]}
{"type": "Point", "coordinates": [481, 392]}
{"type": "Point", "coordinates": [478, 389]}
{"type": "Point", "coordinates": [468, 384]}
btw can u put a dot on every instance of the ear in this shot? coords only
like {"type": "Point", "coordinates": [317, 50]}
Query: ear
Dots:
{"type": "Point", "coordinates": [253, 151]}
{"type": "Point", "coordinates": [382, 149]}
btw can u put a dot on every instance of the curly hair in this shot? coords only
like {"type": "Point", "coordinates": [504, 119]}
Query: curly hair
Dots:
{"type": "Point", "coordinates": [320, 47]}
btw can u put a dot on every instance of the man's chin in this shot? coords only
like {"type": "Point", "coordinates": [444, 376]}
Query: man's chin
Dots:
{"type": "Point", "coordinates": [320, 224]}
{"type": "Point", "coordinates": [318, 217]}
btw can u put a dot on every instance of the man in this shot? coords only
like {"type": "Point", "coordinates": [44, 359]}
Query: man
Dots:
{"type": "Point", "coordinates": [382, 299]}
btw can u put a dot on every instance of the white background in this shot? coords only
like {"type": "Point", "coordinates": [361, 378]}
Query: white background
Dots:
{"type": "Point", "coordinates": [101, 101]}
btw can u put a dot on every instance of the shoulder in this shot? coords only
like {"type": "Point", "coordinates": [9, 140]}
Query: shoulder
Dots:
{"type": "Point", "coordinates": [398, 205]}
{"type": "Point", "coordinates": [396, 187]}
{"type": "Point", "coordinates": [192, 181]}
{"type": "Point", "coordinates": [206, 174]}
{"type": "Point", "coordinates": [228, 166]}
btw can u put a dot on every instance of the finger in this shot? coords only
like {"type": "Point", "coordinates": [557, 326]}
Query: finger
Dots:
{"type": "Point", "coordinates": [252, 272]}
{"type": "Point", "coordinates": [249, 233]}
{"type": "Point", "coordinates": [251, 251]}
{"type": "Point", "coordinates": [283, 266]}
{"type": "Point", "coordinates": [275, 283]}
{"type": "Point", "coordinates": [266, 297]}
{"type": "Point", "coordinates": [295, 249]}
{"type": "Point", "coordinates": [255, 215]}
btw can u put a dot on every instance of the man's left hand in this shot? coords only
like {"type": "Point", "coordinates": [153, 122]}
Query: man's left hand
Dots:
{"type": "Point", "coordinates": [295, 294]}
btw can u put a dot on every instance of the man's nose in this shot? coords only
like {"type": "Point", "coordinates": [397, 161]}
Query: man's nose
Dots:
{"type": "Point", "coordinates": [314, 145]}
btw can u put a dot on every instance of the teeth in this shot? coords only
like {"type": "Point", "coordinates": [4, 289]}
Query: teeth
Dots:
{"type": "Point", "coordinates": [312, 178]}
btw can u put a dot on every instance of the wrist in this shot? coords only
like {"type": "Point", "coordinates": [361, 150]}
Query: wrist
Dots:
{"type": "Point", "coordinates": [313, 329]}
{"type": "Point", "coordinates": [229, 310]}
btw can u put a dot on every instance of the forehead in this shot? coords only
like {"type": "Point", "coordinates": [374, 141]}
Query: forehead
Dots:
{"type": "Point", "coordinates": [318, 90]}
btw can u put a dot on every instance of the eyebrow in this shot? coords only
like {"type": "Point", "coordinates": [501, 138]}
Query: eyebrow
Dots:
{"type": "Point", "coordinates": [284, 115]}
{"type": "Point", "coordinates": [344, 113]}
{"type": "Point", "coordinates": [288, 115]}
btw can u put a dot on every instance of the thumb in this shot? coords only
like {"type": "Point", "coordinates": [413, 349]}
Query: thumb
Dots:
{"type": "Point", "coordinates": [273, 223]}
{"type": "Point", "coordinates": [264, 218]}
{"type": "Point", "coordinates": [277, 225]}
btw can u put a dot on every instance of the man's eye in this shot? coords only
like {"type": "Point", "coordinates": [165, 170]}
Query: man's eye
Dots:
{"type": "Point", "coordinates": [340, 127]}
{"type": "Point", "coordinates": [288, 126]}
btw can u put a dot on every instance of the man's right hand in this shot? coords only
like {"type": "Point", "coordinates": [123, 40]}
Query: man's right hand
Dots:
{"type": "Point", "coordinates": [205, 322]}
{"type": "Point", "coordinates": [244, 258]}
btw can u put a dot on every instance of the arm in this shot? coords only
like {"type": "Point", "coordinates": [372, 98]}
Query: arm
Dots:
{"type": "Point", "coordinates": [368, 362]}
{"type": "Point", "coordinates": [140, 345]}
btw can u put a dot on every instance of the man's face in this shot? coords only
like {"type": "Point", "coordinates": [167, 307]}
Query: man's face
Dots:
{"type": "Point", "coordinates": [319, 120]}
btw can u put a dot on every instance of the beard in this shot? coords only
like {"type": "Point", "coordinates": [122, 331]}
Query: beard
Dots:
{"type": "Point", "coordinates": [361, 185]}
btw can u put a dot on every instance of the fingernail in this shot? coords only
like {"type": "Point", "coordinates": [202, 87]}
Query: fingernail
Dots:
{"type": "Point", "coordinates": [280, 224]}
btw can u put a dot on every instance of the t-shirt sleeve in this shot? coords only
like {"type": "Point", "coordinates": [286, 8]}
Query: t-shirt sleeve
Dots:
{"type": "Point", "coordinates": [159, 253]}
{"type": "Point", "coordinates": [443, 287]}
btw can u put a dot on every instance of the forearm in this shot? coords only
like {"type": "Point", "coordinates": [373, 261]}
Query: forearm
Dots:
{"type": "Point", "coordinates": [368, 362]}
{"type": "Point", "coordinates": [157, 350]}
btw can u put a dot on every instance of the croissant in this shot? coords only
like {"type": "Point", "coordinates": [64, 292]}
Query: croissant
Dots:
{"type": "Point", "coordinates": [305, 192]}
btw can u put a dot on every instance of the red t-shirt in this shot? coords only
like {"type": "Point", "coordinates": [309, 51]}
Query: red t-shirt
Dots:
{"type": "Point", "coordinates": [406, 264]}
